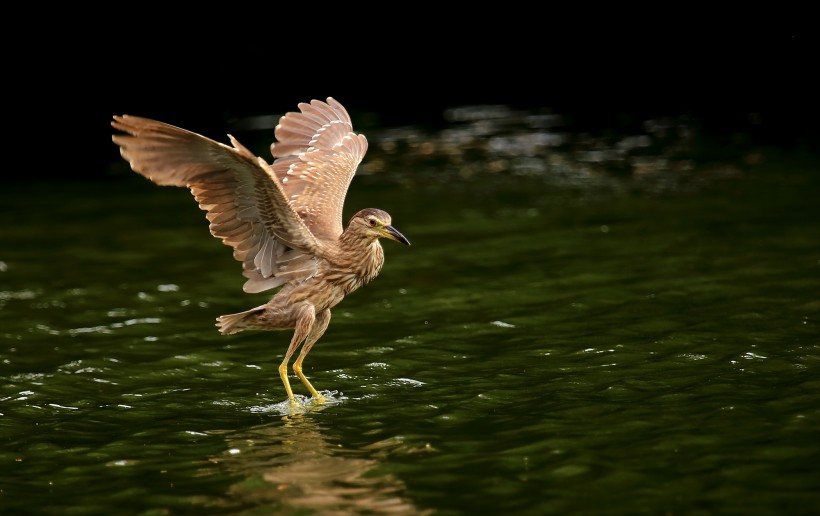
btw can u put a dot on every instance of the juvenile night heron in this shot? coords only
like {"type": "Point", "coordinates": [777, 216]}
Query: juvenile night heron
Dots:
{"type": "Point", "coordinates": [282, 219]}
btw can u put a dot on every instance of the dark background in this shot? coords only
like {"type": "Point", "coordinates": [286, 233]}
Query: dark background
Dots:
{"type": "Point", "coordinates": [402, 67]}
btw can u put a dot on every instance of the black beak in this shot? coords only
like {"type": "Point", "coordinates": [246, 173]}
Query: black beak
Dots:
{"type": "Point", "coordinates": [393, 234]}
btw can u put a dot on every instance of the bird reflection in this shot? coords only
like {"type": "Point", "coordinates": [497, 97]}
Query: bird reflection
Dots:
{"type": "Point", "coordinates": [290, 465]}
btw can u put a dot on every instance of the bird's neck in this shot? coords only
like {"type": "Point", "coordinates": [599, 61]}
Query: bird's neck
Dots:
{"type": "Point", "coordinates": [363, 256]}
{"type": "Point", "coordinates": [356, 244]}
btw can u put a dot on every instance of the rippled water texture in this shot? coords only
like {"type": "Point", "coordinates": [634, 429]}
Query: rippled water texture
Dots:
{"type": "Point", "coordinates": [538, 349]}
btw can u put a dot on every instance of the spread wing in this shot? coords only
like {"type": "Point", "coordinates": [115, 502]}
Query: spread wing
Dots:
{"type": "Point", "coordinates": [317, 154]}
{"type": "Point", "coordinates": [246, 205]}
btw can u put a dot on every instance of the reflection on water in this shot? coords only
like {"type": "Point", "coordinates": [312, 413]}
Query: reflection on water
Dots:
{"type": "Point", "coordinates": [654, 155]}
{"type": "Point", "coordinates": [291, 465]}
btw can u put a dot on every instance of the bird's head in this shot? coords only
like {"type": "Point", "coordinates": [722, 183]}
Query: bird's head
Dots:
{"type": "Point", "coordinates": [372, 223]}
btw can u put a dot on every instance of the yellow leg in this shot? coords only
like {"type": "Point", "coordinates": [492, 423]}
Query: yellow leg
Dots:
{"type": "Point", "coordinates": [297, 368]}
{"type": "Point", "coordinates": [283, 374]}
{"type": "Point", "coordinates": [319, 326]}
{"type": "Point", "coordinates": [304, 323]}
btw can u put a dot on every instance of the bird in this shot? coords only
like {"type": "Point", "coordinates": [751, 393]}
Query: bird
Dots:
{"type": "Point", "coordinates": [282, 218]}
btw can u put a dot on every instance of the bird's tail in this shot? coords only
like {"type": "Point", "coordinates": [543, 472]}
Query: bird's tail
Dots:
{"type": "Point", "coordinates": [234, 323]}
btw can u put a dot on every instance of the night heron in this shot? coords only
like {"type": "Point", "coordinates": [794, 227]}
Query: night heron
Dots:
{"type": "Point", "coordinates": [282, 219]}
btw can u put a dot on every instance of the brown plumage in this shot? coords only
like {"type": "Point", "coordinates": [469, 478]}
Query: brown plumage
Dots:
{"type": "Point", "coordinates": [282, 219]}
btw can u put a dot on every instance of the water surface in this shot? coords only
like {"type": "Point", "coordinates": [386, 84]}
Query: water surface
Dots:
{"type": "Point", "coordinates": [539, 349]}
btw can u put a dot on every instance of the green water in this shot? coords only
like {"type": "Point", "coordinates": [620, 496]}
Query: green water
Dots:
{"type": "Point", "coordinates": [536, 350]}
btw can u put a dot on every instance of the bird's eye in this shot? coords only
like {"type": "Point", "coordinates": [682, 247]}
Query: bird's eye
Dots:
{"type": "Point", "coordinates": [372, 223]}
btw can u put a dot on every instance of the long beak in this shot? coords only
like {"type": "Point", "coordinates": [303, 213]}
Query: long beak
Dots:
{"type": "Point", "coordinates": [393, 234]}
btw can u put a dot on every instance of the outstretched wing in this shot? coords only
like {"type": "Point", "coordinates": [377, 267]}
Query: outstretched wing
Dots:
{"type": "Point", "coordinates": [317, 154]}
{"type": "Point", "coordinates": [245, 204]}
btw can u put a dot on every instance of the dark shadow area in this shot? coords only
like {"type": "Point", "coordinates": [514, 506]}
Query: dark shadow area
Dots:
{"type": "Point", "coordinates": [750, 84]}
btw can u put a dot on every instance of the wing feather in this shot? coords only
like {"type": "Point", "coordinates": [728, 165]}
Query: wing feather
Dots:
{"type": "Point", "coordinates": [244, 202]}
{"type": "Point", "coordinates": [317, 154]}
